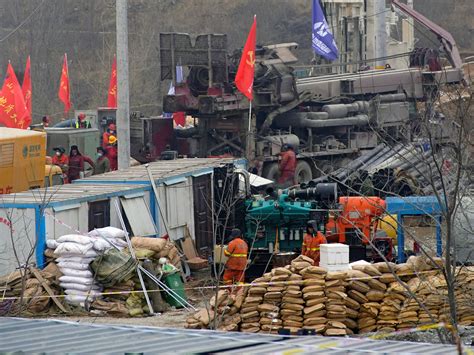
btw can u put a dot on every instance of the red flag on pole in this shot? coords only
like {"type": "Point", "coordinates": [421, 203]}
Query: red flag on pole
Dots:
{"type": "Point", "coordinates": [64, 93]}
{"type": "Point", "coordinates": [112, 95]}
{"type": "Point", "coordinates": [26, 86]}
{"type": "Point", "coordinates": [13, 111]}
{"type": "Point", "coordinates": [245, 73]}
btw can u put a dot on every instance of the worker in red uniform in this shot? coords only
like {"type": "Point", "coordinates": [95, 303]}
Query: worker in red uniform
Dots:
{"type": "Point", "coordinates": [287, 166]}
{"type": "Point", "coordinates": [61, 159]}
{"type": "Point", "coordinates": [76, 163]}
{"type": "Point", "coordinates": [111, 130]}
{"type": "Point", "coordinates": [237, 252]}
{"type": "Point", "coordinates": [112, 153]}
{"type": "Point", "coordinates": [312, 241]}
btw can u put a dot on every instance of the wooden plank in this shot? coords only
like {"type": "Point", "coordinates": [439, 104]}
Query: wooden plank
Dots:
{"type": "Point", "coordinates": [187, 244]}
{"type": "Point", "coordinates": [48, 289]}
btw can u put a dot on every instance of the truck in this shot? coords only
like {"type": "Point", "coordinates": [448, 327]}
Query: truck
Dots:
{"type": "Point", "coordinates": [328, 119]}
{"type": "Point", "coordinates": [22, 159]}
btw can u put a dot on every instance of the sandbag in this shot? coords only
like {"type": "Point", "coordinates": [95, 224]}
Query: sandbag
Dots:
{"type": "Point", "coordinates": [107, 232]}
{"type": "Point", "coordinates": [75, 259]}
{"type": "Point", "coordinates": [375, 295]}
{"type": "Point", "coordinates": [75, 238]}
{"type": "Point", "coordinates": [78, 287]}
{"type": "Point", "coordinates": [113, 267]}
{"type": "Point", "coordinates": [76, 280]}
{"type": "Point", "coordinates": [52, 244]}
{"type": "Point", "coordinates": [155, 244]}
{"type": "Point", "coordinates": [76, 273]}
{"type": "Point", "coordinates": [71, 248]}
{"type": "Point", "coordinates": [74, 265]}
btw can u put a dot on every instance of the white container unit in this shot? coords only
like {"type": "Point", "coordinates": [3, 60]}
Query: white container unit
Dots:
{"type": "Point", "coordinates": [334, 257]}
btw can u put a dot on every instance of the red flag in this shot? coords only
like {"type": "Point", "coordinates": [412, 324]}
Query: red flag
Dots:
{"type": "Point", "coordinates": [64, 93]}
{"type": "Point", "coordinates": [26, 86]}
{"type": "Point", "coordinates": [112, 96]}
{"type": "Point", "coordinates": [13, 111]}
{"type": "Point", "coordinates": [245, 73]}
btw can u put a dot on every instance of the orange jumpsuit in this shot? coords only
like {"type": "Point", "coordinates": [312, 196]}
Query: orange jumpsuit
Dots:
{"type": "Point", "coordinates": [63, 162]}
{"type": "Point", "coordinates": [310, 247]}
{"type": "Point", "coordinates": [237, 252]}
{"type": "Point", "coordinates": [287, 167]}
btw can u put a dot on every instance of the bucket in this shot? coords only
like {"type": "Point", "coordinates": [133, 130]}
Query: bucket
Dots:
{"type": "Point", "coordinates": [283, 259]}
{"type": "Point", "coordinates": [174, 282]}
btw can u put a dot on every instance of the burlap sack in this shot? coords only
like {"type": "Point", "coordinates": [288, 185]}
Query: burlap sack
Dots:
{"type": "Point", "coordinates": [335, 289]}
{"type": "Point", "coordinates": [387, 316]}
{"type": "Point", "coordinates": [336, 308]}
{"type": "Point", "coordinates": [270, 321]}
{"type": "Point", "coordinates": [253, 299]}
{"type": "Point", "coordinates": [294, 283]}
{"type": "Point", "coordinates": [386, 329]}
{"type": "Point", "coordinates": [281, 271]}
{"type": "Point", "coordinates": [292, 317]}
{"type": "Point", "coordinates": [388, 323]}
{"type": "Point", "coordinates": [303, 258]}
{"type": "Point", "coordinates": [369, 309]}
{"type": "Point", "coordinates": [300, 265]}
{"type": "Point", "coordinates": [357, 296]}
{"type": "Point", "coordinates": [336, 275]}
{"type": "Point", "coordinates": [360, 286]}
{"type": "Point", "coordinates": [252, 320]}
{"type": "Point", "coordinates": [257, 291]}
{"type": "Point", "coordinates": [292, 323]}
{"type": "Point", "coordinates": [292, 293]}
{"type": "Point", "coordinates": [292, 288]}
{"type": "Point", "coordinates": [266, 307]}
{"type": "Point", "coordinates": [368, 329]}
{"type": "Point", "coordinates": [250, 329]}
{"type": "Point", "coordinates": [316, 307]}
{"type": "Point", "coordinates": [334, 283]}
{"type": "Point", "coordinates": [228, 328]}
{"type": "Point", "coordinates": [351, 303]}
{"type": "Point", "coordinates": [313, 295]}
{"type": "Point", "coordinates": [368, 269]}
{"type": "Point", "coordinates": [314, 321]}
{"type": "Point", "coordinates": [375, 295]}
{"type": "Point", "coordinates": [285, 312]}
{"type": "Point", "coordinates": [295, 277]}
{"type": "Point", "coordinates": [272, 295]}
{"type": "Point", "coordinates": [404, 269]}
{"type": "Point", "coordinates": [350, 323]}
{"type": "Point", "coordinates": [247, 309]}
{"type": "Point", "coordinates": [387, 278]}
{"type": "Point", "coordinates": [338, 295]}
{"type": "Point", "coordinates": [331, 332]}
{"type": "Point", "coordinates": [377, 285]}
{"type": "Point", "coordinates": [248, 315]}
{"type": "Point", "coordinates": [275, 288]}
{"type": "Point", "coordinates": [366, 322]}
{"type": "Point", "coordinates": [267, 327]}
{"type": "Point", "coordinates": [155, 244]}
{"type": "Point", "coordinates": [315, 301]}
{"type": "Point", "coordinates": [293, 300]}
{"type": "Point", "coordinates": [309, 276]}
{"type": "Point", "coordinates": [352, 313]}
{"type": "Point", "coordinates": [336, 324]}
{"type": "Point", "coordinates": [384, 267]}
{"type": "Point", "coordinates": [314, 282]}
{"type": "Point", "coordinates": [357, 275]}
{"type": "Point", "coordinates": [278, 279]}
{"type": "Point", "coordinates": [313, 288]}
{"type": "Point", "coordinates": [407, 315]}
{"type": "Point", "coordinates": [204, 316]}
{"type": "Point", "coordinates": [222, 295]}
{"type": "Point", "coordinates": [293, 306]}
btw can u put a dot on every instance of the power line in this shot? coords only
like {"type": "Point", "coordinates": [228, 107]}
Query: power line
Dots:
{"type": "Point", "coordinates": [23, 22]}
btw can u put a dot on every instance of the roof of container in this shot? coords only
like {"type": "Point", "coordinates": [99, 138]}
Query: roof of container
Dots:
{"type": "Point", "coordinates": [55, 336]}
{"type": "Point", "coordinates": [9, 133]}
{"type": "Point", "coordinates": [73, 193]}
{"type": "Point", "coordinates": [162, 170]}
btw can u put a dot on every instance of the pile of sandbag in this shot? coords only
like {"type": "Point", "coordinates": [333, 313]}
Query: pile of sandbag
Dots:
{"type": "Point", "coordinates": [222, 313]}
{"type": "Point", "coordinates": [155, 248]}
{"type": "Point", "coordinates": [26, 294]}
{"type": "Point", "coordinates": [75, 252]}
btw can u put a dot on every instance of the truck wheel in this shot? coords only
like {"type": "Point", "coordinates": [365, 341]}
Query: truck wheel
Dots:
{"type": "Point", "coordinates": [303, 172]}
{"type": "Point", "coordinates": [271, 171]}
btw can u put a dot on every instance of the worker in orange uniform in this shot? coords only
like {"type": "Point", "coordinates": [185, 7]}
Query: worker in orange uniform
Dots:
{"type": "Point", "coordinates": [112, 153]}
{"type": "Point", "coordinates": [237, 252]}
{"type": "Point", "coordinates": [312, 241]}
{"type": "Point", "coordinates": [62, 160]}
{"type": "Point", "coordinates": [111, 129]}
{"type": "Point", "coordinates": [287, 166]}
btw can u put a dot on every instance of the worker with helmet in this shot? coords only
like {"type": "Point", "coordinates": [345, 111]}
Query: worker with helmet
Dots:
{"type": "Point", "coordinates": [81, 121]}
{"type": "Point", "coordinates": [237, 252]}
{"type": "Point", "coordinates": [112, 152]}
{"type": "Point", "coordinates": [312, 240]}
{"type": "Point", "coordinates": [111, 131]}
{"type": "Point", "coordinates": [287, 166]}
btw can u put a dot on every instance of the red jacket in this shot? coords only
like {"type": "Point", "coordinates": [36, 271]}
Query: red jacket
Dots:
{"type": "Point", "coordinates": [112, 154]}
{"type": "Point", "coordinates": [237, 251]}
{"type": "Point", "coordinates": [105, 139]}
{"type": "Point", "coordinates": [76, 165]}
{"type": "Point", "coordinates": [287, 167]}
{"type": "Point", "coordinates": [311, 245]}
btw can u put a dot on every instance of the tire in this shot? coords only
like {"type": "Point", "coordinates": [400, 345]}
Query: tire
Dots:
{"type": "Point", "coordinates": [303, 172]}
{"type": "Point", "coordinates": [271, 171]}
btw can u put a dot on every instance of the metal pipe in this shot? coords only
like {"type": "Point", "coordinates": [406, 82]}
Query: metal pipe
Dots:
{"type": "Point", "coordinates": [303, 119]}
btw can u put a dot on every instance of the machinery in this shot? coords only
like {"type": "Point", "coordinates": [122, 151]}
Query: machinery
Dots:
{"type": "Point", "coordinates": [328, 119]}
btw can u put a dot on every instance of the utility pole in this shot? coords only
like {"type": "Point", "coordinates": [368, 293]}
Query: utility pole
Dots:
{"type": "Point", "coordinates": [123, 97]}
{"type": "Point", "coordinates": [380, 32]}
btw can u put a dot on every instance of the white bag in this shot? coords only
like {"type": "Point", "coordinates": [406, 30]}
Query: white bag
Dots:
{"type": "Point", "coordinates": [71, 248]}
{"type": "Point", "coordinates": [101, 244]}
{"type": "Point", "coordinates": [76, 299]}
{"type": "Point", "coordinates": [75, 238]}
{"type": "Point", "coordinates": [51, 243]}
{"type": "Point", "coordinates": [76, 273]}
{"type": "Point", "coordinates": [79, 287]}
{"type": "Point", "coordinates": [77, 280]}
{"type": "Point", "coordinates": [92, 293]}
{"type": "Point", "coordinates": [74, 265]}
{"type": "Point", "coordinates": [75, 259]}
{"type": "Point", "coordinates": [107, 232]}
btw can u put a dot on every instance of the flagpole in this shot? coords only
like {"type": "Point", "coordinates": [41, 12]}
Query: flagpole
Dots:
{"type": "Point", "coordinates": [250, 115]}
